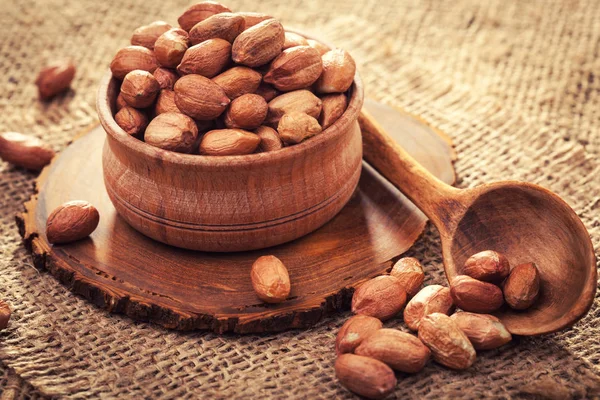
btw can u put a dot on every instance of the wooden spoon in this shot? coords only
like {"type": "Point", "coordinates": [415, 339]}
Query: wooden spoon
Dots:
{"type": "Point", "coordinates": [525, 222]}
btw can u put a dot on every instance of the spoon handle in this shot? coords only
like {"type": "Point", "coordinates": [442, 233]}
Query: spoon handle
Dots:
{"type": "Point", "coordinates": [427, 192]}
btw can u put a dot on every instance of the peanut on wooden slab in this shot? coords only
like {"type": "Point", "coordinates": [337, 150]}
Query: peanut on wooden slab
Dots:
{"type": "Point", "coordinates": [199, 12]}
{"type": "Point", "coordinates": [408, 269]}
{"type": "Point", "coordinates": [131, 120]}
{"type": "Point", "coordinates": [238, 81]}
{"type": "Point", "coordinates": [485, 332]}
{"type": "Point", "coordinates": [147, 35]}
{"type": "Point", "coordinates": [172, 131]}
{"type": "Point", "coordinates": [382, 297]}
{"type": "Point", "coordinates": [269, 139]}
{"type": "Point", "coordinates": [297, 126]}
{"type": "Point", "coordinates": [431, 299]}
{"type": "Point", "coordinates": [354, 331]}
{"type": "Point", "coordinates": [488, 266]}
{"type": "Point", "coordinates": [55, 78]}
{"type": "Point", "coordinates": [522, 287]}
{"type": "Point", "coordinates": [229, 142]}
{"type": "Point", "coordinates": [4, 315]}
{"type": "Point", "coordinates": [270, 279]}
{"type": "Point", "coordinates": [139, 89]}
{"type": "Point", "coordinates": [400, 350]}
{"type": "Point", "coordinates": [365, 376]}
{"type": "Point", "coordinates": [25, 151]}
{"type": "Point", "coordinates": [72, 221]}
{"type": "Point", "coordinates": [476, 296]}
{"type": "Point", "coordinates": [170, 47]}
{"type": "Point", "coordinates": [131, 58]}
{"type": "Point", "coordinates": [448, 344]}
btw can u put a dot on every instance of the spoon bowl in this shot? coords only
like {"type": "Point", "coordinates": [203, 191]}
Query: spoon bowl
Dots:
{"type": "Point", "coordinates": [525, 222]}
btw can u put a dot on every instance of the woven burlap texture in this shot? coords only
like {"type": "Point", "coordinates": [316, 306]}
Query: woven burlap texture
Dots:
{"type": "Point", "coordinates": [514, 83]}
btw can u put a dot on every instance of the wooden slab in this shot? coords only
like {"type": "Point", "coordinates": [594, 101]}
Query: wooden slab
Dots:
{"type": "Point", "coordinates": [122, 271]}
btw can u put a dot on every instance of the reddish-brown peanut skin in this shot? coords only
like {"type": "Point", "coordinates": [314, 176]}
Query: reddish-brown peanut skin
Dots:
{"type": "Point", "coordinates": [485, 331]}
{"type": "Point", "coordinates": [55, 78]}
{"type": "Point", "coordinates": [25, 151]}
{"type": "Point", "coordinates": [270, 279]}
{"type": "Point", "coordinates": [365, 376]}
{"type": "Point", "coordinates": [354, 331]}
{"type": "Point", "coordinates": [487, 266]}
{"type": "Point", "coordinates": [431, 299]}
{"type": "Point", "coordinates": [522, 287]}
{"type": "Point", "coordinates": [400, 350]}
{"type": "Point", "coordinates": [71, 221]}
{"type": "Point", "coordinates": [448, 344]}
{"type": "Point", "coordinates": [408, 269]}
{"type": "Point", "coordinates": [476, 296]}
{"type": "Point", "coordinates": [382, 297]}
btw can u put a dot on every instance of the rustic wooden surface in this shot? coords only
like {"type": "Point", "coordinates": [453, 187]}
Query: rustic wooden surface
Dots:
{"type": "Point", "coordinates": [525, 222]}
{"type": "Point", "coordinates": [123, 271]}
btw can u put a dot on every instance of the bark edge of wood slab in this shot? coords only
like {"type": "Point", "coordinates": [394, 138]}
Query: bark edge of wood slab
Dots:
{"type": "Point", "coordinates": [125, 272]}
{"type": "Point", "coordinates": [526, 222]}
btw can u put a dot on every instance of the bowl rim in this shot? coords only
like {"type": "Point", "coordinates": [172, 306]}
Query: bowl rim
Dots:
{"type": "Point", "coordinates": [338, 128]}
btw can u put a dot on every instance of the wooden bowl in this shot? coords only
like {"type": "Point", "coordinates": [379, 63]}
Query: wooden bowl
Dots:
{"type": "Point", "coordinates": [230, 203]}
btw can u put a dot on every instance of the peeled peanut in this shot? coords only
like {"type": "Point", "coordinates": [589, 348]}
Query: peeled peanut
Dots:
{"type": "Point", "coordinates": [270, 279]}
{"type": "Point", "coordinates": [25, 151]}
{"type": "Point", "coordinates": [71, 221]}
{"type": "Point", "coordinates": [354, 331]}
{"type": "Point", "coordinates": [246, 112]}
{"type": "Point", "coordinates": [431, 299]}
{"type": "Point", "coordinates": [229, 142]}
{"type": "Point", "coordinates": [447, 342]}
{"type": "Point", "coordinates": [522, 287]}
{"type": "Point", "coordinates": [148, 34]}
{"type": "Point", "coordinates": [408, 269]}
{"type": "Point", "coordinates": [400, 350]}
{"type": "Point", "coordinates": [131, 120]}
{"type": "Point", "coordinates": [382, 297]}
{"type": "Point", "coordinates": [172, 131]}
{"type": "Point", "coordinates": [476, 296]}
{"type": "Point", "coordinates": [338, 72]}
{"type": "Point", "coordinates": [484, 331]}
{"type": "Point", "coordinates": [488, 266]}
{"type": "Point", "coordinates": [365, 376]}
{"type": "Point", "coordinates": [296, 127]}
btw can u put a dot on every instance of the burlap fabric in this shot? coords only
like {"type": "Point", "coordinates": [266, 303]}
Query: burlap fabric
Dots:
{"type": "Point", "coordinates": [514, 83]}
